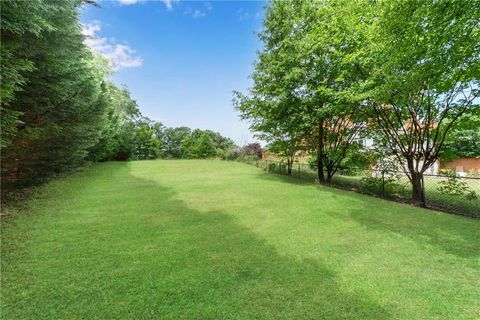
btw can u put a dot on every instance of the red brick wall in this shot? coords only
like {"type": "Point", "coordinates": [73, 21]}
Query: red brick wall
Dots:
{"type": "Point", "coordinates": [301, 156]}
{"type": "Point", "coordinates": [463, 164]}
{"type": "Point", "coordinates": [269, 155]}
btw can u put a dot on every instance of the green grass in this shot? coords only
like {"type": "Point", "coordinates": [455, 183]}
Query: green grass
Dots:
{"type": "Point", "coordinates": [211, 239]}
{"type": "Point", "coordinates": [435, 197]}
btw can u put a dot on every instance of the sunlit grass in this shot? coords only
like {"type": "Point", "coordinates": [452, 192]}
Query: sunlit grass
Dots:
{"type": "Point", "coordinates": [211, 239]}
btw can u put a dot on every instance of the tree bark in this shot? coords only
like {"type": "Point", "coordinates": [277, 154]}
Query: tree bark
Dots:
{"type": "Point", "coordinates": [329, 176]}
{"type": "Point", "coordinates": [416, 180]}
{"type": "Point", "coordinates": [320, 172]}
{"type": "Point", "coordinates": [418, 191]}
{"type": "Point", "coordinates": [320, 154]}
{"type": "Point", "coordinates": [289, 165]}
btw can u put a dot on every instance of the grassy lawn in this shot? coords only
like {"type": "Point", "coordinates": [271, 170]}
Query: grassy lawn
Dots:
{"type": "Point", "coordinates": [433, 193]}
{"type": "Point", "coordinates": [211, 239]}
{"type": "Point", "coordinates": [436, 198]}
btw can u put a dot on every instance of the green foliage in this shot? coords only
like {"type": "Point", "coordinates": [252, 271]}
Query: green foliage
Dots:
{"type": "Point", "coordinates": [447, 172]}
{"type": "Point", "coordinates": [147, 145]}
{"type": "Point", "coordinates": [58, 108]}
{"type": "Point", "coordinates": [358, 159]}
{"type": "Point", "coordinates": [299, 99]}
{"type": "Point", "coordinates": [221, 142]}
{"type": "Point", "coordinates": [199, 145]}
{"type": "Point", "coordinates": [20, 19]}
{"type": "Point", "coordinates": [55, 111]}
{"type": "Point", "coordinates": [173, 138]}
{"type": "Point", "coordinates": [454, 186]}
{"type": "Point", "coordinates": [387, 186]}
{"type": "Point", "coordinates": [117, 141]}
{"type": "Point", "coordinates": [422, 75]}
{"type": "Point", "coordinates": [407, 70]}
{"type": "Point", "coordinates": [231, 154]}
{"type": "Point", "coordinates": [464, 140]}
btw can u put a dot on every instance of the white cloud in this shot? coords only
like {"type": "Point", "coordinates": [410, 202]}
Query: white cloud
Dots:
{"type": "Point", "coordinates": [120, 56]}
{"type": "Point", "coordinates": [198, 14]}
{"type": "Point", "coordinates": [167, 3]}
{"type": "Point", "coordinates": [244, 14]}
{"type": "Point", "coordinates": [91, 28]}
{"type": "Point", "coordinates": [208, 5]}
{"type": "Point", "coordinates": [194, 13]}
{"type": "Point", "coordinates": [127, 2]}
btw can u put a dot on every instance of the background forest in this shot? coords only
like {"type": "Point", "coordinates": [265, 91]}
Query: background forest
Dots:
{"type": "Point", "coordinates": [60, 108]}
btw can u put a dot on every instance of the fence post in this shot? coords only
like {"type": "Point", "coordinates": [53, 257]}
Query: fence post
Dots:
{"type": "Point", "coordinates": [383, 183]}
{"type": "Point", "coordinates": [424, 198]}
{"type": "Point", "coordinates": [299, 170]}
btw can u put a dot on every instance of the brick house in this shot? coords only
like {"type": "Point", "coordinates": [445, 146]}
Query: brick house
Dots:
{"type": "Point", "coordinates": [467, 165]}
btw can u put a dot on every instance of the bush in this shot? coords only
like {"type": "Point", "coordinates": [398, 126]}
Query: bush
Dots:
{"type": "Point", "coordinates": [312, 162]}
{"type": "Point", "coordinates": [453, 186]}
{"type": "Point", "coordinates": [198, 145]}
{"type": "Point", "coordinates": [272, 166]}
{"type": "Point", "coordinates": [447, 172]}
{"type": "Point", "coordinates": [358, 160]}
{"type": "Point", "coordinates": [388, 186]}
{"type": "Point", "coordinates": [252, 149]}
{"type": "Point", "coordinates": [232, 154]}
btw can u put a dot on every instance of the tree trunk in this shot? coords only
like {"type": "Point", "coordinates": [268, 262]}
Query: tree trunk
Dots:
{"type": "Point", "coordinates": [330, 171]}
{"type": "Point", "coordinates": [289, 165]}
{"type": "Point", "coordinates": [329, 176]}
{"type": "Point", "coordinates": [321, 174]}
{"type": "Point", "coordinates": [418, 191]}
{"type": "Point", "coordinates": [320, 154]}
{"type": "Point", "coordinates": [416, 179]}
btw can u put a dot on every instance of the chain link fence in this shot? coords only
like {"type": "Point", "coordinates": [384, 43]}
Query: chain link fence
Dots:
{"type": "Point", "coordinates": [460, 195]}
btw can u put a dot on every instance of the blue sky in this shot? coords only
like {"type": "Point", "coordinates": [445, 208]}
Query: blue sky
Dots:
{"type": "Point", "coordinates": [181, 60]}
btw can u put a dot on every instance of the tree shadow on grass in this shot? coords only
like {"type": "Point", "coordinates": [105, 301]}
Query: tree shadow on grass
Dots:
{"type": "Point", "coordinates": [453, 234]}
{"type": "Point", "coordinates": [145, 254]}
{"type": "Point", "coordinates": [268, 176]}
{"type": "Point", "coordinates": [219, 268]}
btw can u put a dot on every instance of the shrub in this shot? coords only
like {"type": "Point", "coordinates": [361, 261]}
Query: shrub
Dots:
{"type": "Point", "coordinates": [272, 166]}
{"type": "Point", "coordinates": [388, 185]}
{"type": "Point", "coordinates": [231, 154]}
{"type": "Point", "coordinates": [252, 149]}
{"type": "Point", "coordinates": [453, 186]}
{"type": "Point", "coordinates": [447, 172]}
{"type": "Point", "coordinates": [358, 160]}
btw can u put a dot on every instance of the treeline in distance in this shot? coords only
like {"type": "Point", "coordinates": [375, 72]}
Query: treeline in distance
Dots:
{"type": "Point", "coordinates": [59, 108]}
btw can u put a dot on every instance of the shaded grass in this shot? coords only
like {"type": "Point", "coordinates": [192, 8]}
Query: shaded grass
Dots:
{"type": "Point", "coordinates": [206, 239]}
{"type": "Point", "coordinates": [401, 188]}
